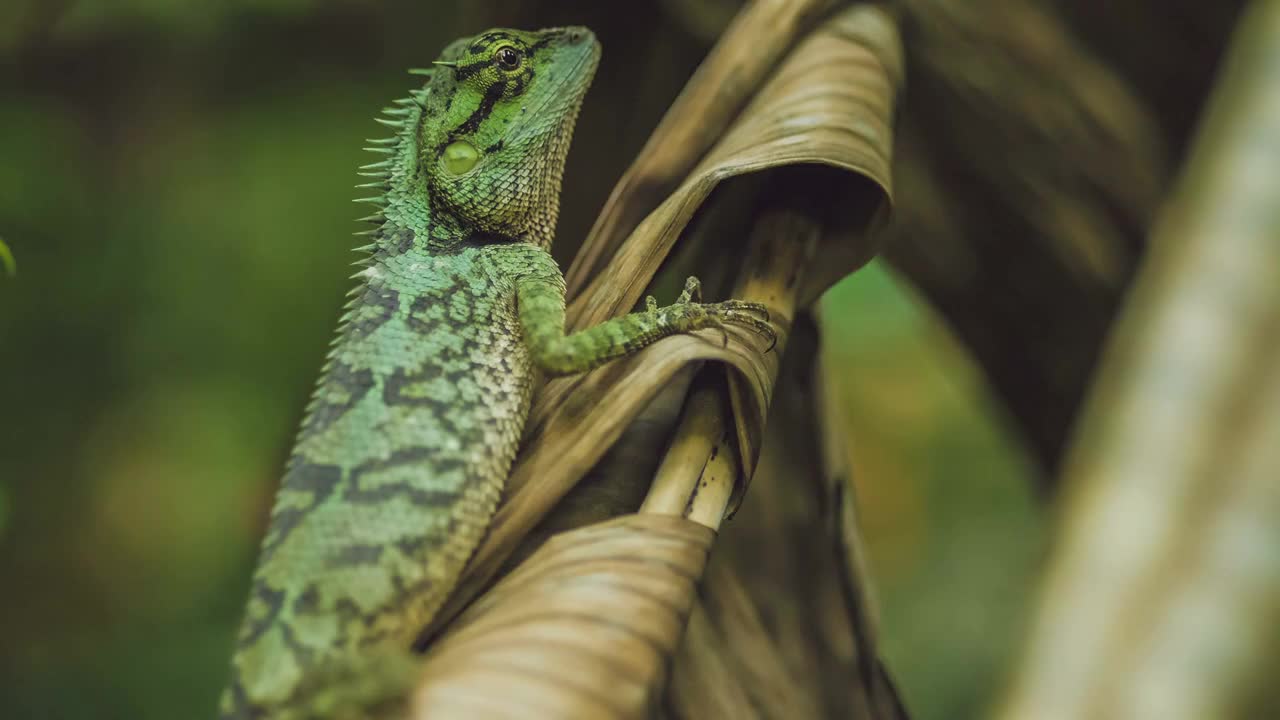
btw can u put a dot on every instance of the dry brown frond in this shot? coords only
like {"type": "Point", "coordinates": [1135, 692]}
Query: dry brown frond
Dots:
{"type": "Point", "coordinates": [828, 108]}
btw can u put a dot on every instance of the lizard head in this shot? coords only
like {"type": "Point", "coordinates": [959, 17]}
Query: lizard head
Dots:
{"type": "Point", "coordinates": [500, 113]}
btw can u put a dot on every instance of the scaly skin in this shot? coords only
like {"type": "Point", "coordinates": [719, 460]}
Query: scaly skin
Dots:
{"type": "Point", "coordinates": [411, 433]}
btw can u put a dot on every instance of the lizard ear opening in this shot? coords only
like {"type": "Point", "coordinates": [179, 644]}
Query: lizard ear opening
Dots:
{"type": "Point", "coordinates": [459, 158]}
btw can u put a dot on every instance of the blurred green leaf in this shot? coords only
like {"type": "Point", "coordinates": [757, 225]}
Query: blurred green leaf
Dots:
{"type": "Point", "coordinates": [7, 263]}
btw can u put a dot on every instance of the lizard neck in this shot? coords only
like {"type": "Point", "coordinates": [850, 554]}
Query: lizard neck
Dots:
{"type": "Point", "coordinates": [410, 217]}
{"type": "Point", "coordinates": [431, 231]}
{"type": "Point", "coordinates": [414, 214]}
{"type": "Point", "coordinates": [406, 218]}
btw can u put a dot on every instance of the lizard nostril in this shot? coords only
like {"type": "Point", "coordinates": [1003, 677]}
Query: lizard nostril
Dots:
{"type": "Point", "coordinates": [575, 36]}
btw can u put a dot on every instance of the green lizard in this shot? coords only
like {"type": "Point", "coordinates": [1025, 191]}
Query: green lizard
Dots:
{"type": "Point", "coordinates": [416, 420]}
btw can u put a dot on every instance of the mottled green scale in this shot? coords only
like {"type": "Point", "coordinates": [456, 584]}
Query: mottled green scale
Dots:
{"type": "Point", "coordinates": [404, 468]}
{"type": "Point", "coordinates": [417, 418]}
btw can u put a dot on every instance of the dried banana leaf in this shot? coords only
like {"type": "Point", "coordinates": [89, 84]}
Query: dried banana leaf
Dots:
{"type": "Point", "coordinates": [784, 625]}
{"type": "Point", "coordinates": [808, 113]}
{"type": "Point", "coordinates": [750, 48]}
{"type": "Point", "coordinates": [832, 104]}
{"type": "Point", "coordinates": [583, 629]}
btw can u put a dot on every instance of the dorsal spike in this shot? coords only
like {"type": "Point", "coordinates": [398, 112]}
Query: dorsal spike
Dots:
{"type": "Point", "coordinates": [390, 123]}
{"type": "Point", "coordinates": [380, 165]}
{"type": "Point", "coordinates": [374, 218]}
{"type": "Point", "coordinates": [379, 200]}
{"type": "Point", "coordinates": [383, 141]}
{"type": "Point", "coordinates": [424, 72]}
{"type": "Point", "coordinates": [380, 150]}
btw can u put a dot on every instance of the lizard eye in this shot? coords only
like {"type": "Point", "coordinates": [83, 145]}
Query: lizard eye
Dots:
{"type": "Point", "coordinates": [508, 58]}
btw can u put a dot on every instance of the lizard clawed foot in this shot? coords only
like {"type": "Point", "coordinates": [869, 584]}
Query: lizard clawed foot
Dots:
{"type": "Point", "coordinates": [752, 316]}
{"type": "Point", "coordinates": [718, 316]}
{"type": "Point", "coordinates": [753, 308]}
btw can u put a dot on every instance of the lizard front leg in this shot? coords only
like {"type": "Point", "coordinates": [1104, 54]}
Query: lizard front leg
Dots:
{"type": "Point", "coordinates": [540, 298]}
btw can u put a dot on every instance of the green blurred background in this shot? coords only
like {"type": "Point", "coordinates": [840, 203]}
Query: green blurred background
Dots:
{"type": "Point", "coordinates": [175, 182]}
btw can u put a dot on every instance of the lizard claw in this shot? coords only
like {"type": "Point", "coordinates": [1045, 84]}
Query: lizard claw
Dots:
{"type": "Point", "coordinates": [753, 316]}
{"type": "Point", "coordinates": [753, 308]}
{"type": "Point", "coordinates": [750, 315]}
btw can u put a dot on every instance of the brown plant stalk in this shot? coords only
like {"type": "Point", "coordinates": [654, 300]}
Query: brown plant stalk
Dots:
{"type": "Point", "coordinates": [1164, 593]}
